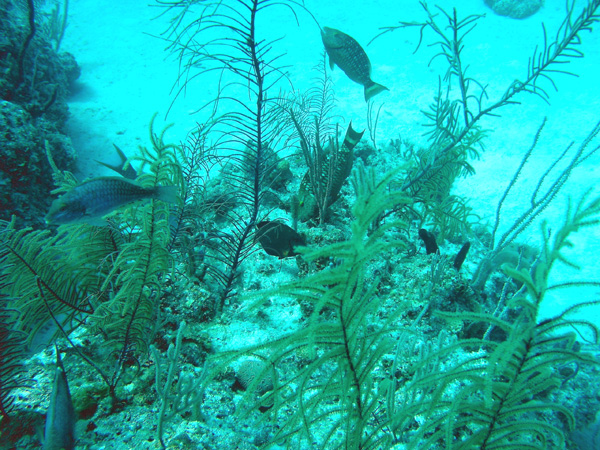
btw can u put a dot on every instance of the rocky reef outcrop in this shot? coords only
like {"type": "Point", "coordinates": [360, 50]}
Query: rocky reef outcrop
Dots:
{"type": "Point", "coordinates": [35, 82]}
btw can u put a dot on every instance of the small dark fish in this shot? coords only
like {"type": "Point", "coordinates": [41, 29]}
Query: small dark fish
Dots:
{"type": "Point", "coordinates": [344, 159]}
{"type": "Point", "coordinates": [129, 172]}
{"type": "Point", "coordinates": [349, 56]}
{"type": "Point", "coordinates": [277, 239]}
{"type": "Point", "coordinates": [92, 199]}
{"type": "Point", "coordinates": [428, 239]}
{"type": "Point", "coordinates": [461, 255]}
{"type": "Point", "coordinates": [59, 432]}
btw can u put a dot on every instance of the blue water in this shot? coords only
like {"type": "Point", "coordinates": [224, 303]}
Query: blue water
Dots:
{"type": "Point", "coordinates": [128, 76]}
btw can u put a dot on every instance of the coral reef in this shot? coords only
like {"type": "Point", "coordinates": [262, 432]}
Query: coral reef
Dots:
{"type": "Point", "coordinates": [25, 174]}
{"type": "Point", "coordinates": [35, 82]}
{"type": "Point", "coordinates": [208, 322]}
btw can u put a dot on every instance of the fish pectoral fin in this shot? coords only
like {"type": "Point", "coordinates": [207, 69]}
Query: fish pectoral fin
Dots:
{"type": "Point", "coordinates": [331, 63]}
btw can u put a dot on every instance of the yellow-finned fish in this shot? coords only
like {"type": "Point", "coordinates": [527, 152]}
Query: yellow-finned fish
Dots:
{"type": "Point", "coordinates": [349, 56]}
{"type": "Point", "coordinates": [92, 199]}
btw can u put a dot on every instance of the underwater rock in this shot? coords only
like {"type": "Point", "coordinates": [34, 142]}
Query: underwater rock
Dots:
{"type": "Point", "coordinates": [247, 373]}
{"type": "Point", "coordinates": [35, 81]}
{"type": "Point", "coordinates": [276, 172]}
{"type": "Point", "coordinates": [36, 77]}
{"type": "Point", "coordinates": [517, 9]}
{"type": "Point", "coordinates": [25, 174]}
{"type": "Point", "coordinates": [279, 177]}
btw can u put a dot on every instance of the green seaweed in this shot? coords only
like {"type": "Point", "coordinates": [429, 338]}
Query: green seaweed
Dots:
{"type": "Point", "coordinates": [344, 345]}
{"type": "Point", "coordinates": [224, 36]}
{"type": "Point", "coordinates": [485, 391]}
{"type": "Point", "coordinates": [11, 357]}
{"type": "Point", "coordinates": [106, 279]}
{"type": "Point", "coordinates": [496, 395]}
{"type": "Point", "coordinates": [454, 117]}
{"type": "Point", "coordinates": [184, 397]}
{"type": "Point", "coordinates": [366, 372]}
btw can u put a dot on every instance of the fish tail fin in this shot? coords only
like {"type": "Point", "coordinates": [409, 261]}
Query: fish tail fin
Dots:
{"type": "Point", "coordinates": [373, 89]}
{"type": "Point", "coordinates": [352, 136]}
{"type": "Point", "coordinates": [166, 194]}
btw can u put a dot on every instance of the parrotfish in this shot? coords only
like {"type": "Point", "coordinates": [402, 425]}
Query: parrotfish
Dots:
{"type": "Point", "coordinates": [92, 199]}
{"type": "Point", "coordinates": [344, 159]}
{"type": "Point", "coordinates": [349, 56]}
{"type": "Point", "coordinates": [59, 432]}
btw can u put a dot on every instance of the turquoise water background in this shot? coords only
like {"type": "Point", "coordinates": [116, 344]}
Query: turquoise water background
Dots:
{"type": "Point", "coordinates": [127, 76]}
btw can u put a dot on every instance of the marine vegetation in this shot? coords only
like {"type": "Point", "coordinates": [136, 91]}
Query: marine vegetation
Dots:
{"type": "Point", "coordinates": [246, 129]}
{"type": "Point", "coordinates": [352, 377]}
{"type": "Point", "coordinates": [35, 82]}
{"type": "Point", "coordinates": [213, 320]}
{"type": "Point", "coordinates": [497, 394]}
{"type": "Point", "coordinates": [548, 187]}
{"type": "Point", "coordinates": [109, 280]}
{"type": "Point", "coordinates": [11, 354]}
{"type": "Point", "coordinates": [456, 135]}
{"type": "Point", "coordinates": [328, 170]}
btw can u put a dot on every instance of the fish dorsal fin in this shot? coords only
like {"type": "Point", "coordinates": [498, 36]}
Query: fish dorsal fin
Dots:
{"type": "Point", "coordinates": [124, 167]}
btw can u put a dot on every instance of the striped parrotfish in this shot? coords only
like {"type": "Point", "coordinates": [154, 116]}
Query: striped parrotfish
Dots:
{"type": "Point", "coordinates": [332, 178]}
{"type": "Point", "coordinates": [349, 56]}
{"type": "Point", "coordinates": [92, 199]}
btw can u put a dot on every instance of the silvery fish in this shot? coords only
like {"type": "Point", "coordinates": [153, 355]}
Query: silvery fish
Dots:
{"type": "Point", "coordinates": [344, 159]}
{"type": "Point", "coordinates": [59, 432]}
{"type": "Point", "coordinates": [349, 56]}
{"type": "Point", "coordinates": [92, 199]}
